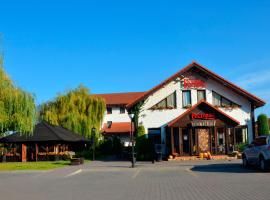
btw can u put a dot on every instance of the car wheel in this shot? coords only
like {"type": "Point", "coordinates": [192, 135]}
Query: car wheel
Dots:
{"type": "Point", "coordinates": [263, 165]}
{"type": "Point", "coordinates": [245, 162]}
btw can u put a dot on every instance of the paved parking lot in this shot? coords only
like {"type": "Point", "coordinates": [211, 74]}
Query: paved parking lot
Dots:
{"type": "Point", "coordinates": [207, 180]}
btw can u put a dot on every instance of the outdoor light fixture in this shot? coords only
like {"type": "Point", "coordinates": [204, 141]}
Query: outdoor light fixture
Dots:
{"type": "Point", "coordinates": [131, 116]}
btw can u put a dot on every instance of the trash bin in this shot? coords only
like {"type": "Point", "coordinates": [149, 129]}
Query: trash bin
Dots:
{"type": "Point", "coordinates": [159, 156]}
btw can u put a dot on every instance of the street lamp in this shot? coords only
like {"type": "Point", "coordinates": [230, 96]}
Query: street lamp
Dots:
{"type": "Point", "coordinates": [93, 141]}
{"type": "Point", "coordinates": [131, 116]}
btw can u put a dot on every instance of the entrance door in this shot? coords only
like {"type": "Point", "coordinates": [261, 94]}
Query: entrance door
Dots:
{"type": "Point", "coordinates": [186, 141]}
{"type": "Point", "coordinates": [203, 140]}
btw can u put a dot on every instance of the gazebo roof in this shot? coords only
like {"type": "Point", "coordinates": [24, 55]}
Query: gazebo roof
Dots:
{"type": "Point", "coordinates": [45, 132]}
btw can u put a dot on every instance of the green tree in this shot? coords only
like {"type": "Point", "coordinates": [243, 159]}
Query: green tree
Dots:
{"type": "Point", "coordinates": [263, 126]}
{"type": "Point", "coordinates": [17, 107]}
{"type": "Point", "coordinates": [75, 110]}
{"type": "Point", "coordinates": [140, 131]}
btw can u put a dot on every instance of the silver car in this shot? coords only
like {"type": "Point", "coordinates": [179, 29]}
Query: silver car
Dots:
{"type": "Point", "coordinates": [258, 153]}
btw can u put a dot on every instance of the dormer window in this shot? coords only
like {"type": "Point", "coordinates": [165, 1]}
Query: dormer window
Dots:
{"type": "Point", "coordinates": [168, 103]}
{"type": "Point", "coordinates": [220, 101]}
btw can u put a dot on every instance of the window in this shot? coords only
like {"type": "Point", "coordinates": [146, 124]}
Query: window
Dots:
{"type": "Point", "coordinates": [109, 124]}
{"type": "Point", "coordinates": [122, 110]}
{"type": "Point", "coordinates": [221, 101]}
{"type": "Point", "coordinates": [167, 103]}
{"type": "Point", "coordinates": [186, 98]}
{"type": "Point", "coordinates": [109, 110]}
{"type": "Point", "coordinates": [216, 99]}
{"type": "Point", "coordinates": [201, 95]}
{"type": "Point", "coordinates": [241, 135]}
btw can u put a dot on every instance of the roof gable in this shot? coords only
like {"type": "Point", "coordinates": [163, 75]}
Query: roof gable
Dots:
{"type": "Point", "coordinates": [209, 108]}
{"type": "Point", "coordinates": [195, 66]}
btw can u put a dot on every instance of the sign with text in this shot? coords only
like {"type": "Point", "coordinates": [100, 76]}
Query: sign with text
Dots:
{"type": "Point", "coordinates": [193, 83]}
{"type": "Point", "coordinates": [200, 123]}
{"type": "Point", "coordinates": [206, 116]}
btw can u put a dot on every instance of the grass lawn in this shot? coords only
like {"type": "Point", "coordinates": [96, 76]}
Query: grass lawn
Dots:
{"type": "Point", "coordinates": [46, 165]}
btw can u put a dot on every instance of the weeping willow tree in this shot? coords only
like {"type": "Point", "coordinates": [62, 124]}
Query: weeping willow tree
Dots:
{"type": "Point", "coordinates": [17, 107]}
{"type": "Point", "coordinates": [75, 110]}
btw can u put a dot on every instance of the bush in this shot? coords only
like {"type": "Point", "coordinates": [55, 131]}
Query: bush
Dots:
{"type": "Point", "coordinates": [144, 148]}
{"type": "Point", "coordinates": [241, 147]}
{"type": "Point", "coordinates": [263, 126]}
{"type": "Point", "coordinates": [110, 146]}
{"type": "Point", "coordinates": [87, 154]}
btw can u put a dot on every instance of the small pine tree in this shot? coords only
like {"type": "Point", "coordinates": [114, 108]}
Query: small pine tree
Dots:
{"type": "Point", "coordinates": [263, 126]}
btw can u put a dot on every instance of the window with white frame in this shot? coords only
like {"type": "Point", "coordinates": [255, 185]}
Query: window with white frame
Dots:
{"type": "Point", "coordinates": [201, 95]}
{"type": "Point", "coordinates": [186, 96]}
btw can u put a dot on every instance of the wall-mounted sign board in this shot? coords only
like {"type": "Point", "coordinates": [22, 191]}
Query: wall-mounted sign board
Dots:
{"type": "Point", "coordinates": [193, 84]}
{"type": "Point", "coordinates": [204, 116]}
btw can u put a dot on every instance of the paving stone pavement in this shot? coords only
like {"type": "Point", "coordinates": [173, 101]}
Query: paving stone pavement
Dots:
{"type": "Point", "coordinates": [190, 180]}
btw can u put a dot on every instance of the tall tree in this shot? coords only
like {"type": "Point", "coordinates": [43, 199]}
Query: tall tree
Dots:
{"type": "Point", "coordinates": [17, 107]}
{"type": "Point", "coordinates": [263, 126]}
{"type": "Point", "coordinates": [75, 110]}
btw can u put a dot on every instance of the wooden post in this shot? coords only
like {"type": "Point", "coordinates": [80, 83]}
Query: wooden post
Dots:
{"type": "Point", "coordinates": [180, 140]}
{"type": "Point", "coordinates": [47, 153]}
{"type": "Point", "coordinates": [216, 140]}
{"type": "Point", "coordinates": [253, 121]}
{"type": "Point", "coordinates": [234, 139]}
{"type": "Point", "coordinates": [36, 152]}
{"type": "Point", "coordinates": [197, 141]}
{"type": "Point", "coordinates": [24, 153]}
{"type": "Point", "coordinates": [190, 142]}
{"type": "Point", "coordinates": [226, 141]}
{"type": "Point", "coordinates": [172, 141]}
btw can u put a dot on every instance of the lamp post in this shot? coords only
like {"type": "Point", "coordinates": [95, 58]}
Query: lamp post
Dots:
{"type": "Point", "coordinates": [93, 141]}
{"type": "Point", "coordinates": [131, 116]}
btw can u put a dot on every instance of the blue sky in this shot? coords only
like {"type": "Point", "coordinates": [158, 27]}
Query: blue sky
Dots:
{"type": "Point", "coordinates": [118, 46]}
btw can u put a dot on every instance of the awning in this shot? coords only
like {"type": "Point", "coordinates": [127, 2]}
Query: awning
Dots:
{"type": "Point", "coordinates": [117, 128]}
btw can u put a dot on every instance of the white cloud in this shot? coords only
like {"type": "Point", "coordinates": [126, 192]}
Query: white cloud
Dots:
{"type": "Point", "coordinates": [255, 79]}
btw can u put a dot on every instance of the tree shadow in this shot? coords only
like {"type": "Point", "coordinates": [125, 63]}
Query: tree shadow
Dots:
{"type": "Point", "coordinates": [225, 168]}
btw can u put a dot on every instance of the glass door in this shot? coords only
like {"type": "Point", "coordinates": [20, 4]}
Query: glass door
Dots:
{"type": "Point", "coordinates": [186, 141]}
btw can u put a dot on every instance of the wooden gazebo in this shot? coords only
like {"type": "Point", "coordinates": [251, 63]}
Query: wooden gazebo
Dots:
{"type": "Point", "coordinates": [46, 143]}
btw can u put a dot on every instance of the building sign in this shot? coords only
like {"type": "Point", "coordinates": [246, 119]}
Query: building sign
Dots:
{"type": "Point", "coordinates": [207, 123]}
{"type": "Point", "coordinates": [206, 116]}
{"type": "Point", "coordinates": [193, 83]}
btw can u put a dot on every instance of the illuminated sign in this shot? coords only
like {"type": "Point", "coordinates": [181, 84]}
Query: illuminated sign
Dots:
{"type": "Point", "coordinates": [203, 116]}
{"type": "Point", "coordinates": [193, 83]}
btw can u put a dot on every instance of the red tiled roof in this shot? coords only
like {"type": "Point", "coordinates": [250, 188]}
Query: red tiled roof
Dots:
{"type": "Point", "coordinates": [117, 128]}
{"type": "Point", "coordinates": [120, 98]}
{"type": "Point", "coordinates": [195, 106]}
{"type": "Point", "coordinates": [257, 101]}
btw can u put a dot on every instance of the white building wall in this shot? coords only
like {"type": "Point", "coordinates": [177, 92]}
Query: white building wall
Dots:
{"type": "Point", "coordinates": [160, 118]}
{"type": "Point", "coordinates": [116, 116]}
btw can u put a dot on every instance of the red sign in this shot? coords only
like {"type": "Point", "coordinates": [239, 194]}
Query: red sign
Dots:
{"type": "Point", "coordinates": [193, 83]}
{"type": "Point", "coordinates": [203, 116]}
